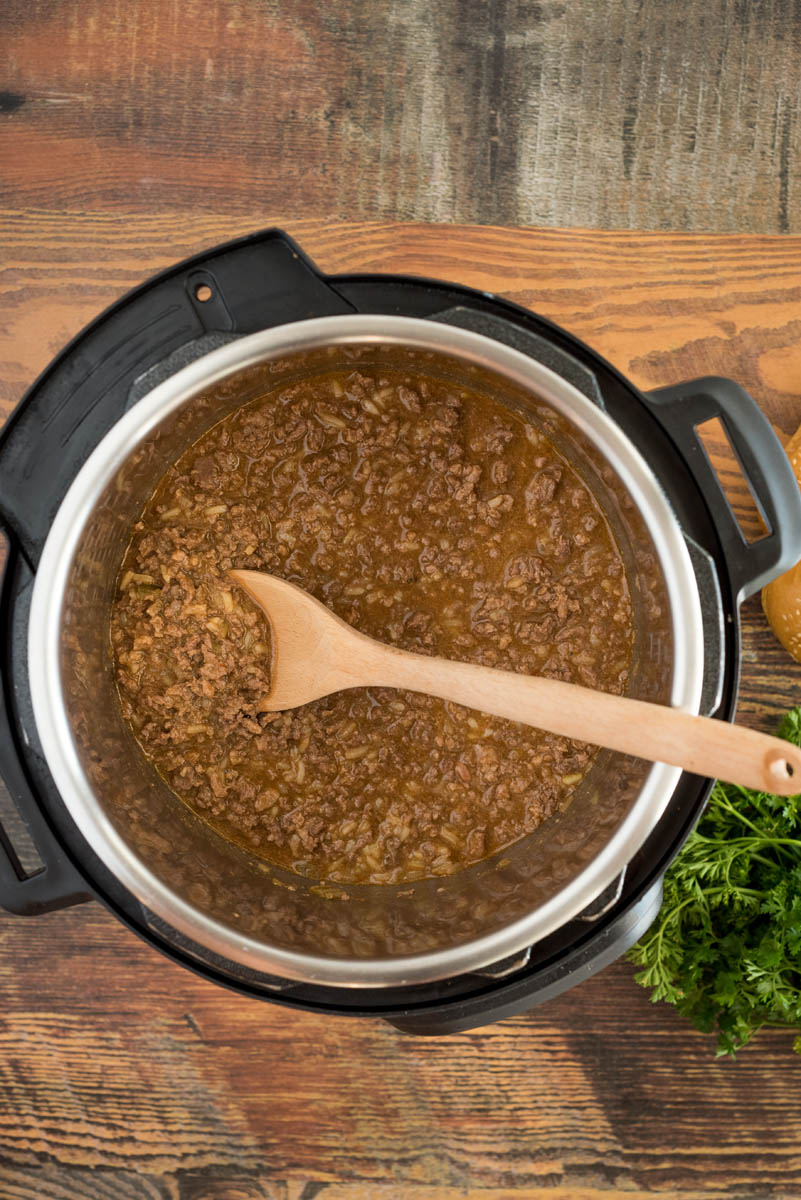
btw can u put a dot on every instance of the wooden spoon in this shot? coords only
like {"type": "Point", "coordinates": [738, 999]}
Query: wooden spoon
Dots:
{"type": "Point", "coordinates": [315, 653]}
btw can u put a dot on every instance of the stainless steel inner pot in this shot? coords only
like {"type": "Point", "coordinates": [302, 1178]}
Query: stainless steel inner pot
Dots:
{"type": "Point", "coordinates": [234, 905]}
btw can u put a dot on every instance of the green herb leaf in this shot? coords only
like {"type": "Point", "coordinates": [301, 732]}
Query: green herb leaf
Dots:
{"type": "Point", "coordinates": [726, 946]}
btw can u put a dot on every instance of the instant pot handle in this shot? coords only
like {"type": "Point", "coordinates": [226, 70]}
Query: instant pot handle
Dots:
{"type": "Point", "coordinates": [46, 880]}
{"type": "Point", "coordinates": [238, 288]}
{"type": "Point", "coordinates": [680, 409]}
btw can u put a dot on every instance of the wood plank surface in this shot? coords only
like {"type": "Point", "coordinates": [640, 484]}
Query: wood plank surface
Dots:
{"type": "Point", "coordinates": [622, 114]}
{"type": "Point", "coordinates": [124, 1077]}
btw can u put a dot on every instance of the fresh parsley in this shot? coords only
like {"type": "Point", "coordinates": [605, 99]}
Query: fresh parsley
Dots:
{"type": "Point", "coordinates": [726, 946]}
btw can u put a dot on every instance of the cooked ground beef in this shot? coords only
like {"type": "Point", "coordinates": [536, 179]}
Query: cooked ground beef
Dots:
{"type": "Point", "coordinates": [428, 517]}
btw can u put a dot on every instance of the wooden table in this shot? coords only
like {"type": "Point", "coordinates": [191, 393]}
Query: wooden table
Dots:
{"type": "Point", "coordinates": [134, 134]}
{"type": "Point", "coordinates": [620, 114]}
{"type": "Point", "coordinates": [123, 1076]}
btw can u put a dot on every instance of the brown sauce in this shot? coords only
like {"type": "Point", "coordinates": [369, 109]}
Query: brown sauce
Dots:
{"type": "Point", "coordinates": [425, 516]}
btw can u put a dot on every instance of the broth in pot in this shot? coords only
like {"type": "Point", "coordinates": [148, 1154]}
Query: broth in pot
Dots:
{"type": "Point", "coordinates": [427, 516]}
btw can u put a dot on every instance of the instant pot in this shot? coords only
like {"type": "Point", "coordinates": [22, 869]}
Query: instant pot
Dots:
{"type": "Point", "coordinates": [79, 457]}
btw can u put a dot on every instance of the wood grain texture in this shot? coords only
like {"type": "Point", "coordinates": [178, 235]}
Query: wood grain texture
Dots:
{"type": "Point", "coordinates": [626, 114]}
{"type": "Point", "coordinates": [124, 1063]}
{"type": "Point", "coordinates": [124, 1077]}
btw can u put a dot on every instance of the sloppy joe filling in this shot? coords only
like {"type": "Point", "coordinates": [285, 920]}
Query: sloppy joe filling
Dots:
{"type": "Point", "coordinates": [425, 515]}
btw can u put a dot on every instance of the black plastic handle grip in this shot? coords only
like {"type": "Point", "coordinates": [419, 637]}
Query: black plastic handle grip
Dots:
{"type": "Point", "coordinates": [234, 289]}
{"type": "Point", "coordinates": [765, 466]}
{"type": "Point", "coordinates": [57, 884]}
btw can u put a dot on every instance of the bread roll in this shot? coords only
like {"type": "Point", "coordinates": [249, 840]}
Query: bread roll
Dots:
{"type": "Point", "coordinates": [781, 599]}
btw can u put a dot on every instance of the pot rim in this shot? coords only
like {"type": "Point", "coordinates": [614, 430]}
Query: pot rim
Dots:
{"type": "Point", "coordinates": [45, 626]}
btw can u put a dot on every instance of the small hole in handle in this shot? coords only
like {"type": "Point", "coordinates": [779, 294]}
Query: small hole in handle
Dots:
{"type": "Point", "coordinates": [780, 769]}
{"type": "Point", "coordinates": [203, 293]}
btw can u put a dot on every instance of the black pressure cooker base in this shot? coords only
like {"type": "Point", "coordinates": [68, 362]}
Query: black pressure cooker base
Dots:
{"type": "Point", "coordinates": [266, 280]}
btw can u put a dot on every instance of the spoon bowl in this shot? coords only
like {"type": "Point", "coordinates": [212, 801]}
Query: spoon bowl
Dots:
{"type": "Point", "coordinates": [312, 648]}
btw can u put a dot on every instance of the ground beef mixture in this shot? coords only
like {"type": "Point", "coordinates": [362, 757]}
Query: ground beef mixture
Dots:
{"type": "Point", "coordinates": [424, 515]}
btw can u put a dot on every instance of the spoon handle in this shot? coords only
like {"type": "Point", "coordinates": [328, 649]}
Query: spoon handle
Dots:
{"type": "Point", "coordinates": [650, 731]}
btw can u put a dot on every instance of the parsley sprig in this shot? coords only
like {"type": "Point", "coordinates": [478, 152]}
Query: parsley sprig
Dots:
{"type": "Point", "coordinates": [726, 946]}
